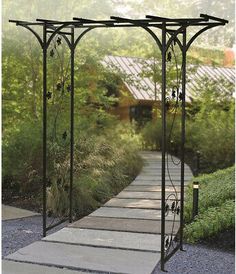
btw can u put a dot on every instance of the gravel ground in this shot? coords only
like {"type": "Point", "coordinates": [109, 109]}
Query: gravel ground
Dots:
{"type": "Point", "coordinates": [197, 259]}
{"type": "Point", "coordinates": [18, 233]}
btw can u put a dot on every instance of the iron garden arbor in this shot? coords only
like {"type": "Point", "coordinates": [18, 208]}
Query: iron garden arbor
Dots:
{"type": "Point", "coordinates": [171, 31]}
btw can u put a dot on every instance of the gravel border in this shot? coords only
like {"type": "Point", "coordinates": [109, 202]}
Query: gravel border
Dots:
{"type": "Point", "coordinates": [200, 259]}
{"type": "Point", "coordinates": [18, 233]}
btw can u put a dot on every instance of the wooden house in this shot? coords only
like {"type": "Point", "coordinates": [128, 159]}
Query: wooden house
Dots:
{"type": "Point", "coordinates": [139, 95]}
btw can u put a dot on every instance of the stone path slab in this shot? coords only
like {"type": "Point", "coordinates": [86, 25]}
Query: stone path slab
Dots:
{"type": "Point", "coordinates": [155, 183]}
{"type": "Point", "coordinates": [158, 177]}
{"type": "Point", "coordinates": [129, 213]}
{"type": "Point", "coordinates": [156, 170]}
{"type": "Point", "coordinates": [11, 267]}
{"type": "Point", "coordinates": [142, 195]}
{"type": "Point", "coordinates": [134, 203]}
{"type": "Point", "coordinates": [10, 212]}
{"type": "Point", "coordinates": [149, 188]}
{"type": "Point", "coordinates": [87, 258]}
{"type": "Point", "coordinates": [114, 239]}
{"type": "Point", "coordinates": [127, 225]}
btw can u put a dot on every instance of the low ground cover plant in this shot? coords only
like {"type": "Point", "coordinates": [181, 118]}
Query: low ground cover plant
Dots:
{"type": "Point", "coordinates": [216, 205]}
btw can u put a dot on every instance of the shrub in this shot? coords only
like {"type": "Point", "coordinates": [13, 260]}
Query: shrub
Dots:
{"type": "Point", "coordinates": [151, 133]}
{"type": "Point", "coordinates": [22, 150]}
{"type": "Point", "coordinates": [102, 168]}
{"type": "Point", "coordinates": [212, 133]}
{"type": "Point", "coordinates": [216, 205]}
{"type": "Point", "coordinates": [211, 222]}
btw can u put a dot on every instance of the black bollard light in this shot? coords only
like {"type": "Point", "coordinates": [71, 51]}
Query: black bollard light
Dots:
{"type": "Point", "coordinates": [195, 198]}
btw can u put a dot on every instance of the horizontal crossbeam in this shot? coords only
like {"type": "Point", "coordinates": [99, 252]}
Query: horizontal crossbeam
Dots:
{"type": "Point", "coordinates": [150, 21]}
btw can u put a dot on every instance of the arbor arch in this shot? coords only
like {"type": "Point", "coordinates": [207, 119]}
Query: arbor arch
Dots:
{"type": "Point", "coordinates": [172, 30]}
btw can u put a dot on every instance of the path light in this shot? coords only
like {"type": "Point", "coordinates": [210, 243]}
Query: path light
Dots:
{"type": "Point", "coordinates": [195, 199]}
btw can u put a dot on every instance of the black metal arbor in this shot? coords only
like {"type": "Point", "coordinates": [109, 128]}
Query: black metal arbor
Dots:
{"type": "Point", "coordinates": [172, 31]}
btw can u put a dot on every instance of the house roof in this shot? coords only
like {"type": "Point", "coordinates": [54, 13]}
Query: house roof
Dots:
{"type": "Point", "coordinates": [143, 88]}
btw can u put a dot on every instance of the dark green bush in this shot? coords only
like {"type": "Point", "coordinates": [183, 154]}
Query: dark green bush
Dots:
{"type": "Point", "coordinates": [22, 152]}
{"type": "Point", "coordinates": [211, 222]}
{"type": "Point", "coordinates": [216, 205]}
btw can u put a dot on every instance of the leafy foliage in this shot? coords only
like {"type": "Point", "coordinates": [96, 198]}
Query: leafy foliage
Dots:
{"type": "Point", "coordinates": [106, 157]}
{"type": "Point", "coordinates": [216, 205]}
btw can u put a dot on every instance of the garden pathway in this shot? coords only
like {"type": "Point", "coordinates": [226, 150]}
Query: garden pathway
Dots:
{"type": "Point", "coordinates": [122, 236]}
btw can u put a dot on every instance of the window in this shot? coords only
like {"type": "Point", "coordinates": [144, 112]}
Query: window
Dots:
{"type": "Point", "coordinates": [141, 114]}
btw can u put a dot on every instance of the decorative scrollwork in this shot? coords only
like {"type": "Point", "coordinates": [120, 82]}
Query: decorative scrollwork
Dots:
{"type": "Point", "coordinates": [58, 142]}
{"type": "Point", "coordinates": [172, 200]}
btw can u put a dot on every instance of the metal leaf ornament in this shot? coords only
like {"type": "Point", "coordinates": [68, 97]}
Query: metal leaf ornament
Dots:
{"type": "Point", "coordinates": [68, 88]}
{"type": "Point", "coordinates": [173, 93]}
{"type": "Point", "coordinates": [52, 53]}
{"type": "Point", "coordinates": [173, 207]}
{"type": "Point", "coordinates": [49, 95]}
{"type": "Point", "coordinates": [169, 56]}
{"type": "Point", "coordinates": [59, 41]}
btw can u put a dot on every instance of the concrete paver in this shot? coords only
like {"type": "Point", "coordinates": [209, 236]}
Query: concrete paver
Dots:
{"type": "Point", "coordinates": [11, 267]}
{"type": "Point", "coordinates": [128, 225]}
{"type": "Point", "coordinates": [134, 203]}
{"type": "Point", "coordinates": [142, 195]}
{"type": "Point", "coordinates": [158, 177]}
{"type": "Point", "coordinates": [89, 258]}
{"type": "Point", "coordinates": [156, 182]}
{"type": "Point", "coordinates": [130, 213]}
{"type": "Point", "coordinates": [104, 238]}
{"type": "Point", "coordinates": [149, 188]}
